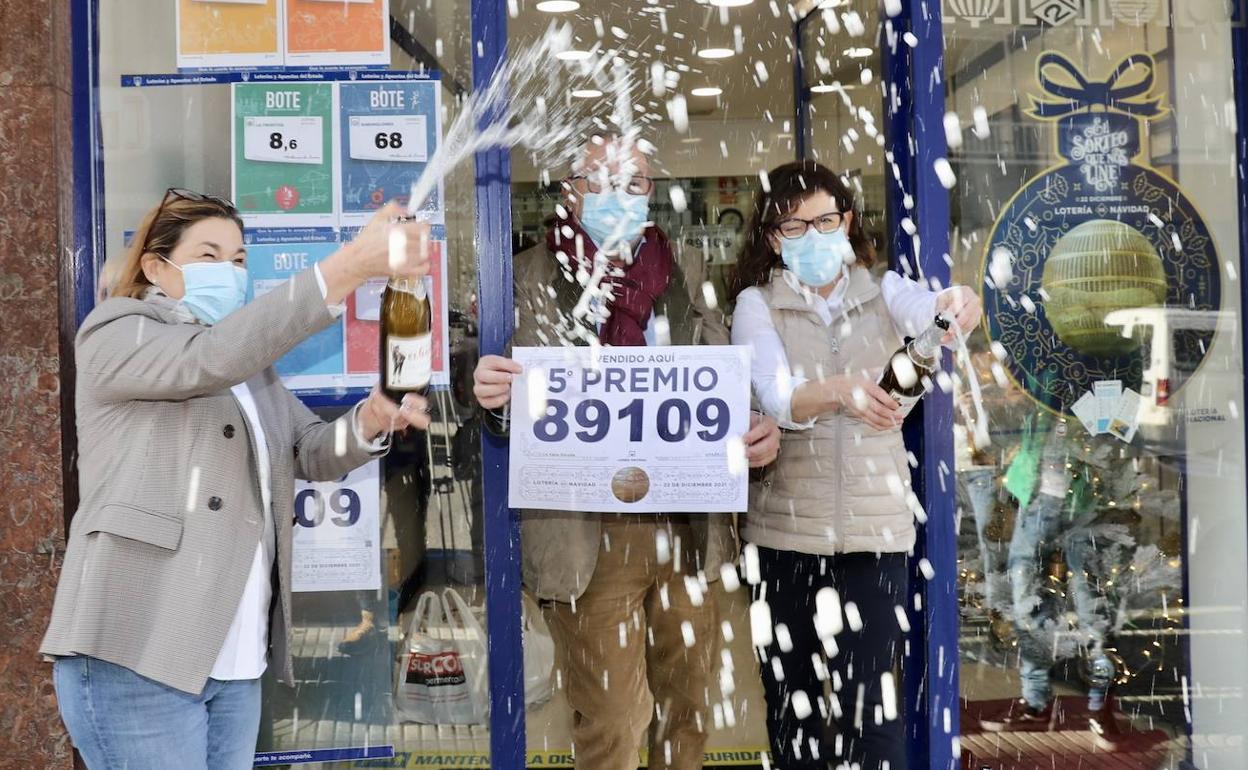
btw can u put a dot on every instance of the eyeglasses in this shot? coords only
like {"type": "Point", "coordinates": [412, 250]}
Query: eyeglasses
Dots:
{"type": "Point", "coordinates": [796, 228]}
{"type": "Point", "coordinates": [637, 185]}
{"type": "Point", "coordinates": [179, 194]}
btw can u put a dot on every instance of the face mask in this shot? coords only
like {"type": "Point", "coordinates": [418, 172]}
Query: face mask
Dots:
{"type": "Point", "coordinates": [213, 290]}
{"type": "Point", "coordinates": [816, 258]}
{"type": "Point", "coordinates": [614, 218]}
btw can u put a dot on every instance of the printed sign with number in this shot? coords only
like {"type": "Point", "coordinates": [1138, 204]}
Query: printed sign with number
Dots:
{"type": "Point", "coordinates": [398, 138]}
{"type": "Point", "coordinates": [389, 131]}
{"type": "Point", "coordinates": [630, 429]}
{"type": "Point", "coordinates": [337, 533]}
{"type": "Point", "coordinates": [283, 140]}
{"type": "Point", "coordinates": [283, 154]}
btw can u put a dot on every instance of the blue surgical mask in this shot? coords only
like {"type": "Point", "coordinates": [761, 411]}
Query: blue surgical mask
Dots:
{"type": "Point", "coordinates": [817, 259]}
{"type": "Point", "coordinates": [213, 290]}
{"type": "Point", "coordinates": [613, 218]}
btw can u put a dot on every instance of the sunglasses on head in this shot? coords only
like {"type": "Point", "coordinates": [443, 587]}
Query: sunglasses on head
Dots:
{"type": "Point", "coordinates": [179, 194]}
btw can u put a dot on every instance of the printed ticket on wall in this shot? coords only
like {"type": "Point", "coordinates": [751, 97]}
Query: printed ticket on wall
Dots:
{"type": "Point", "coordinates": [630, 429]}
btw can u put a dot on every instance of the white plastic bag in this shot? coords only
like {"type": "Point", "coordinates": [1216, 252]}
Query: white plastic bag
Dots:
{"type": "Point", "coordinates": [469, 637]}
{"type": "Point", "coordinates": [539, 659]}
{"type": "Point", "coordinates": [434, 683]}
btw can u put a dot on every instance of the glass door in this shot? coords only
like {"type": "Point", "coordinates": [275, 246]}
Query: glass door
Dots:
{"type": "Point", "coordinates": [1099, 443]}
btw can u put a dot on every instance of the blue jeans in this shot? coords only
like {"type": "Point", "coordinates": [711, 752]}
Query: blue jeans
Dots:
{"type": "Point", "coordinates": [978, 487]}
{"type": "Point", "coordinates": [119, 720]}
{"type": "Point", "coordinates": [1044, 526]}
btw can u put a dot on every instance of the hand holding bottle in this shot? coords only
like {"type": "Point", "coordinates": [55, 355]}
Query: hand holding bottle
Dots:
{"type": "Point", "coordinates": [962, 305]}
{"type": "Point", "coordinates": [861, 397]}
{"type": "Point", "coordinates": [389, 245]}
{"type": "Point", "coordinates": [378, 415]}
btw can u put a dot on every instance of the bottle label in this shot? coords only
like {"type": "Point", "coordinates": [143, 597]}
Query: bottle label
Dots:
{"type": "Point", "coordinates": [905, 403]}
{"type": "Point", "coordinates": [409, 361]}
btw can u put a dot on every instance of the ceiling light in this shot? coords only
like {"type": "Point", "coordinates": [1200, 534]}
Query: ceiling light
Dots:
{"type": "Point", "coordinates": [707, 91]}
{"type": "Point", "coordinates": [859, 53]}
{"type": "Point", "coordinates": [573, 55]}
{"type": "Point", "coordinates": [826, 4]}
{"type": "Point", "coordinates": [784, 136]}
{"type": "Point", "coordinates": [558, 6]}
{"type": "Point", "coordinates": [691, 140]}
{"type": "Point", "coordinates": [586, 93]}
{"type": "Point", "coordinates": [730, 3]}
{"type": "Point", "coordinates": [715, 53]}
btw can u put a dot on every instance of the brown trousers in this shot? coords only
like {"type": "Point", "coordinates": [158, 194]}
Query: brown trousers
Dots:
{"type": "Point", "coordinates": [635, 652]}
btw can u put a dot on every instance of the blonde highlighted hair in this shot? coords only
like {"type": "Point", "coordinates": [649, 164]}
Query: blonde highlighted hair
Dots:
{"type": "Point", "coordinates": [159, 233]}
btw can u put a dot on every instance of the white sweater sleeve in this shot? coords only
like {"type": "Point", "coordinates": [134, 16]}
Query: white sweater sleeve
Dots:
{"type": "Point", "coordinates": [773, 381]}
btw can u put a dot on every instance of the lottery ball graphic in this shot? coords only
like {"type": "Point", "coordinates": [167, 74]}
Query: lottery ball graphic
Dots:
{"type": "Point", "coordinates": [287, 197]}
{"type": "Point", "coordinates": [630, 484]}
{"type": "Point", "coordinates": [1097, 268]}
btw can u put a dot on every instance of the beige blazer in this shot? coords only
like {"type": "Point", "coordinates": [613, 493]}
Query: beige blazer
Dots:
{"type": "Point", "coordinates": [170, 513]}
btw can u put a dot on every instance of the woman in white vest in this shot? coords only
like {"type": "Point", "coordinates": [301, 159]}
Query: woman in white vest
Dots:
{"type": "Point", "coordinates": [830, 521]}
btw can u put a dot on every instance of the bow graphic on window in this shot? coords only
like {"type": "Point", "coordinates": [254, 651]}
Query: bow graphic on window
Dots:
{"type": "Point", "coordinates": [1078, 93]}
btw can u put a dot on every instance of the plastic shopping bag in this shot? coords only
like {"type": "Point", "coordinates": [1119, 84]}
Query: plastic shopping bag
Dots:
{"type": "Point", "coordinates": [433, 685]}
{"type": "Point", "coordinates": [539, 658]}
{"type": "Point", "coordinates": [469, 638]}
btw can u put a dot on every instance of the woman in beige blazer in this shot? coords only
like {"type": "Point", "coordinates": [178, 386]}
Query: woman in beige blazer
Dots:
{"type": "Point", "coordinates": [832, 524]}
{"type": "Point", "coordinates": [175, 591]}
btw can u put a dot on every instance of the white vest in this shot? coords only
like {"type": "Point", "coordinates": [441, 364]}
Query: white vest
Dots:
{"type": "Point", "coordinates": [840, 486]}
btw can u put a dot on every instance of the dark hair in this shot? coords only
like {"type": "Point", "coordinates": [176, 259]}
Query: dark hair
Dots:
{"type": "Point", "coordinates": [786, 187]}
{"type": "Point", "coordinates": [160, 231]}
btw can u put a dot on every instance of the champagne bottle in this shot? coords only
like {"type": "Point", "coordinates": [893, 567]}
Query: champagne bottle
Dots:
{"type": "Point", "coordinates": [907, 368]}
{"type": "Point", "coordinates": [406, 338]}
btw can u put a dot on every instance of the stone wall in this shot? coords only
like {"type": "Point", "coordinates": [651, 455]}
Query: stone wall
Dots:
{"type": "Point", "coordinates": [35, 180]}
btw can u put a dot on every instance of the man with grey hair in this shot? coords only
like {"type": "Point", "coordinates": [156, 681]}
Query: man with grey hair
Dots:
{"type": "Point", "coordinates": [612, 586]}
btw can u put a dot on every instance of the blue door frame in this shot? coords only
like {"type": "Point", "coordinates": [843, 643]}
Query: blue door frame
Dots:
{"type": "Point", "coordinates": [916, 140]}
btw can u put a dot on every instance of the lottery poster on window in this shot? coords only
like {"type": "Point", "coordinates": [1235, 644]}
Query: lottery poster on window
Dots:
{"type": "Point", "coordinates": [228, 33]}
{"type": "Point", "coordinates": [283, 169]}
{"type": "Point", "coordinates": [337, 33]}
{"type": "Point", "coordinates": [274, 257]}
{"type": "Point", "coordinates": [388, 132]}
{"type": "Point", "coordinates": [363, 318]}
{"type": "Point", "coordinates": [630, 429]}
{"type": "Point", "coordinates": [336, 543]}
